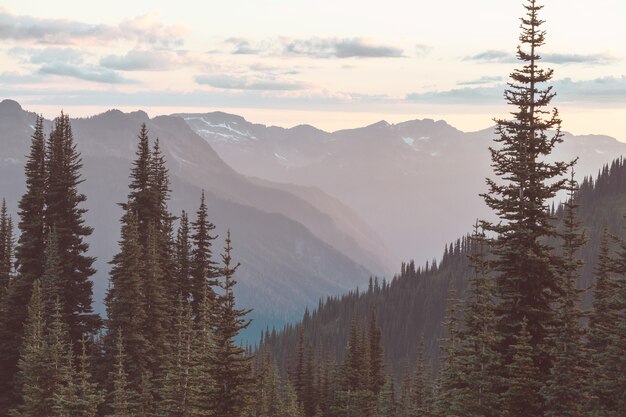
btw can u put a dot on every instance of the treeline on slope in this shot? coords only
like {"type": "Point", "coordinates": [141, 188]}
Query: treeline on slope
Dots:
{"type": "Point", "coordinates": [168, 345]}
{"type": "Point", "coordinates": [413, 303]}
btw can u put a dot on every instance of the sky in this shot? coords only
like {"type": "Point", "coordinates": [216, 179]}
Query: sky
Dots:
{"type": "Point", "coordinates": [332, 64]}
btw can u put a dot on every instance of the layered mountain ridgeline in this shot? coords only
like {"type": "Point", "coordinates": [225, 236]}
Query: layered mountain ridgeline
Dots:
{"type": "Point", "coordinates": [413, 304]}
{"type": "Point", "coordinates": [397, 177]}
{"type": "Point", "coordinates": [296, 244]}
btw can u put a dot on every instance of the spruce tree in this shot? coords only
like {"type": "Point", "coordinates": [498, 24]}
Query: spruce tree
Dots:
{"type": "Point", "coordinates": [478, 359]}
{"type": "Point", "coordinates": [183, 259]}
{"type": "Point", "coordinates": [51, 282]}
{"type": "Point", "coordinates": [122, 400]}
{"type": "Point", "coordinates": [522, 398]}
{"type": "Point", "coordinates": [79, 396]}
{"type": "Point", "coordinates": [63, 212]}
{"type": "Point", "coordinates": [376, 355]}
{"type": "Point", "coordinates": [603, 326]}
{"type": "Point", "coordinates": [562, 392]}
{"type": "Point", "coordinates": [6, 251]}
{"type": "Point", "coordinates": [421, 400]}
{"type": "Point", "coordinates": [32, 378]}
{"type": "Point", "coordinates": [29, 255]}
{"type": "Point", "coordinates": [125, 300]}
{"type": "Point", "coordinates": [232, 366]}
{"type": "Point", "coordinates": [526, 268]}
{"type": "Point", "coordinates": [203, 268]}
{"type": "Point", "coordinates": [450, 400]}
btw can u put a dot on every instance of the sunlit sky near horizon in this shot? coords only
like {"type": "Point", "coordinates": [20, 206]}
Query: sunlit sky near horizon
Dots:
{"type": "Point", "coordinates": [332, 64]}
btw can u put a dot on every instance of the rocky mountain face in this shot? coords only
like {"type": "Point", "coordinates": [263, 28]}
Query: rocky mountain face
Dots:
{"type": "Point", "coordinates": [296, 244]}
{"type": "Point", "coordinates": [398, 178]}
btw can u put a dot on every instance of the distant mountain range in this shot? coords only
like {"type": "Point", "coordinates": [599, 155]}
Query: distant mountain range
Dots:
{"type": "Point", "coordinates": [312, 213]}
{"type": "Point", "coordinates": [296, 244]}
{"type": "Point", "coordinates": [416, 183]}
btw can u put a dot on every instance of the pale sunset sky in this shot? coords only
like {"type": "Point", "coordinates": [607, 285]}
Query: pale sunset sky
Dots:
{"type": "Point", "coordinates": [333, 64]}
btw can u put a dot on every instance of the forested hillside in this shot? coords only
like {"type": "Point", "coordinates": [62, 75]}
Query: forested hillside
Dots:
{"type": "Point", "coordinates": [413, 304]}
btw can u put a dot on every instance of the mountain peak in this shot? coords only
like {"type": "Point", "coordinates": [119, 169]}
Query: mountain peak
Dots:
{"type": "Point", "coordinates": [382, 124]}
{"type": "Point", "coordinates": [10, 106]}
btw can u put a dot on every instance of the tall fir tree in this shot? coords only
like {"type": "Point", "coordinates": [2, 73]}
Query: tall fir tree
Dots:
{"type": "Point", "coordinates": [63, 212]}
{"type": "Point", "coordinates": [122, 400]}
{"type": "Point", "coordinates": [29, 256]}
{"type": "Point", "coordinates": [203, 268]}
{"type": "Point", "coordinates": [603, 326]}
{"type": "Point", "coordinates": [421, 397]}
{"type": "Point", "coordinates": [376, 355]}
{"type": "Point", "coordinates": [125, 300]}
{"type": "Point", "coordinates": [32, 378]}
{"type": "Point", "coordinates": [232, 366]}
{"type": "Point", "coordinates": [522, 397]}
{"type": "Point", "coordinates": [183, 259]}
{"type": "Point", "coordinates": [562, 391]}
{"type": "Point", "coordinates": [478, 359]}
{"type": "Point", "coordinates": [526, 267]}
{"type": "Point", "coordinates": [6, 251]}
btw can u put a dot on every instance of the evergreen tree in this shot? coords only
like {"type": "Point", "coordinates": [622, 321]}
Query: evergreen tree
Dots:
{"type": "Point", "coordinates": [29, 256]}
{"type": "Point", "coordinates": [176, 388]}
{"type": "Point", "coordinates": [232, 366]}
{"type": "Point", "coordinates": [526, 267]}
{"type": "Point", "coordinates": [125, 300]}
{"type": "Point", "coordinates": [478, 360]}
{"type": "Point", "coordinates": [450, 400]}
{"type": "Point", "coordinates": [421, 404]}
{"type": "Point", "coordinates": [562, 393]}
{"type": "Point", "coordinates": [376, 356]}
{"type": "Point", "coordinates": [522, 398]}
{"type": "Point", "coordinates": [386, 400]}
{"type": "Point", "coordinates": [122, 401]}
{"type": "Point", "coordinates": [141, 199]}
{"type": "Point", "coordinates": [6, 251]}
{"type": "Point", "coordinates": [603, 326]}
{"type": "Point", "coordinates": [183, 259]}
{"type": "Point", "coordinates": [203, 268]}
{"type": "Point", "coordinates": [79, 396]}
{"type": "Point", "coordinates": [51, 281]}
{"type": "Point", "coordinates": [63, 213]}
{"type": "Point", "coordinates": [32, 378]}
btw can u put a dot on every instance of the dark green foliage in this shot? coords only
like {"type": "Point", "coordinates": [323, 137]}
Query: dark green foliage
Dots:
{"type": "Point", "coordinates": [122, 398]}
{"type": "Point", "coordinates": [125, 300]}
{"type": "Point", "coordinates": [203, 268]}
{"type": "Point", "coordinates": [29, 255]}
{"type": "Point", "coordinates": [524, 379]}
{"type": "Point", "coordinates": [562, 391]}
{"type": "Point", "coordinates": [6, 251]}
{"type": "Point", "coordinates": [183, 259]}
{"type": "Point", "coordinates": [64, 215]}
{"type": "Point", "coordinates": [232, 366]}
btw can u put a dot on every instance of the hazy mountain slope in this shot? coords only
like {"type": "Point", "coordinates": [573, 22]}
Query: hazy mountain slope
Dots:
{"type": "Point", "coordinates": [284, 265]}
{"type": "Point", "coordinates": [396, 177]}
{"type": "Point", "coordinates": [414, 303]}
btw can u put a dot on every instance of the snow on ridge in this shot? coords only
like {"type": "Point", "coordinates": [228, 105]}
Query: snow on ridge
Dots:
{"type": "Point", "coordinates": [223, 125]}
{"type": "Point", "coordinates": [280, 157]}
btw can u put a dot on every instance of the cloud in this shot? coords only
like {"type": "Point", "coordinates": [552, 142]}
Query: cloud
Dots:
{"type": "Point", "coordinates": [242, 46]}
{"type": "Point", "coordinates": [482, 80]}
{"type": "Point", "coordinates": [340, 48]}
{"type": "Point", "coordinates": [47, 55]}
{"type": "Point", "coordinates": [494, 56]}
{"type": "Point", "coordinates": [143, 29]}
{"type": "Point", "coordinates": [598, 91]}
{"type": "Point", "coordinates": [230, 82]}
{"type": "Point", "coordinates": [599, 59]}
{"type": "Point", "coordinates": [491, 56]}
{"type": "Point", "coordinates": [17, 78]}
{"type": "Point", "coordinates": [143, 60]}
{"type": "Point", "coordinates": [90, 73]}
